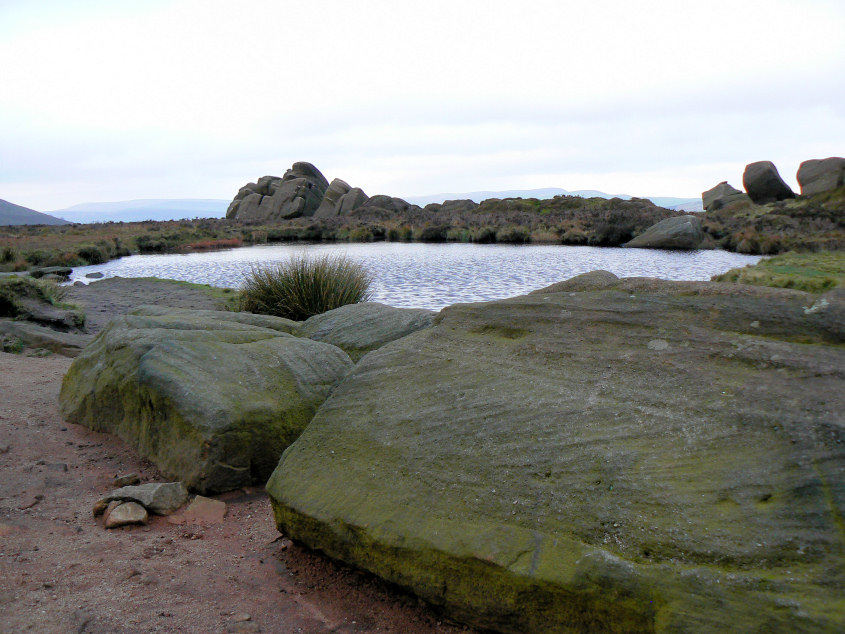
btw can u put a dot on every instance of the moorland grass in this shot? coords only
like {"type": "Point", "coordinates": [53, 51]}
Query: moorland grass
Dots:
{"type": "Point", "coordinates": [304, 286]}
{"type": "Point", "coordinates": [816, 272]}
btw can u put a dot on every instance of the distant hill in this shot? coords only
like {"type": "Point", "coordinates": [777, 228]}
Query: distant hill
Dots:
{"type": "Point", "coordinates": [138, 210]}
{"type": "Point", "coordinates": [12, 214]}
{"type": "Point", "coordinates": [681, 204]}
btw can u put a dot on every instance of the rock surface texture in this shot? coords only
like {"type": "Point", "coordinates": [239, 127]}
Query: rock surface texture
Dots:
{"type": "Point", "coordinates": [722, 195]}
{"type": "Point", "coordinates": [212, 398]}
{"type": "Point", "coordinates": [820, 175]}
{"type": "Point", "coordinates": [678, 232]}
{"type": "Point", "coordinates": [359, 328]}
{"type": "Point", "coordinates": [298, 193]}
{"type": "Point", "coordinates": [649, 456]}
{"type": "Point", "coordinates": [764, 184]}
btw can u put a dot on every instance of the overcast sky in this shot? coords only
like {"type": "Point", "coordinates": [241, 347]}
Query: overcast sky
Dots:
{"type": "Point", "coordinates": [104, 101]}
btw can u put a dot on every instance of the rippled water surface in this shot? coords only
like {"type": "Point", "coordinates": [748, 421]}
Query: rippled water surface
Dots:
{"type": "Point", "coordinates": [436, 275]}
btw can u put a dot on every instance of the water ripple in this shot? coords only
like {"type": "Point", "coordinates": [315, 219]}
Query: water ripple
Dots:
{"type": "Point", "coordinates": [436, 275]}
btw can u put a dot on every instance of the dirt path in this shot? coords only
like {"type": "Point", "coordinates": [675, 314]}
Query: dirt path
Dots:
{"type": "Point", "coordinates": [61, 571]}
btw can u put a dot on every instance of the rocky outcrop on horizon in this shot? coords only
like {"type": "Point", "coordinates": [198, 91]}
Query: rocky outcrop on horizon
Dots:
{"type": "Point", "coordinates": [619, 455]}
{"type": "Point", "coordinates": [302, 192]}
{"type": "Point", "coordinates": [820, 175]}
{"type": "Point", "coordinates": [722, 195]}
{"type": "Point", "coordinates": [298, 193]}
{"type": "Point", "coordinates": [763, 183]}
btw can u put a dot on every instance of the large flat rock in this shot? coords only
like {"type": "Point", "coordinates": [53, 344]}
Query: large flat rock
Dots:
{"type": "Point", "coordinates": [212, 398]}
{"type": "Point", "coordinates": [652, 456]}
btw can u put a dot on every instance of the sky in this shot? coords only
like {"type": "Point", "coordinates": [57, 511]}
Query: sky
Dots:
{"type": "Point", "coordinates": [107, 101]}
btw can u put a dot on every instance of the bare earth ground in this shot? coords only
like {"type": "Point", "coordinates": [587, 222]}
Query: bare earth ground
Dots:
{"type": "Point", "coordinates": [61, 571]}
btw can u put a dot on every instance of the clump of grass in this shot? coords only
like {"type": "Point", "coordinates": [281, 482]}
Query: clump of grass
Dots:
{"type": "Point", "coordinates": [812, 272]}
{"type": "Point", "coordinates": [13, 289]}
{"type": "Point", "coordinates": [303, 287]}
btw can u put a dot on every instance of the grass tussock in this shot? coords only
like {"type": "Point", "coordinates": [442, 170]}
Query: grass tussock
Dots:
{"type": "Point", "coordinates": [304, 286]}
{"type": "Point", "coordinates": [14, 289]}
{"type": "Point", "coordinates": [816, 272]}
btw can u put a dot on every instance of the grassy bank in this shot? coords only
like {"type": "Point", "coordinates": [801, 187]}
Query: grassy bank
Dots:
{"type": "Point", "coordinates": [813, 272]}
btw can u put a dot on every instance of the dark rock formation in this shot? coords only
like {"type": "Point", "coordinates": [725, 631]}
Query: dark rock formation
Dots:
{"type": "Point", "coordinates": [212, 398]}
{"type": "Point", "coordinates": [678, 232]}
{"type": "Point", "coordinates": [648, 456]}
{"type": "Point", "coordinates": [764, 184]}
{"type": "Point", "coordinates": [331, 199]}
{"type": "Point", "coordinates": [722, 195]}
{"type": "Point", "coordinates": [453, 206]}
{"type": "Point", "coordinates": [298, 193]}
{"type": "Point", "coordinates": [388, 205]}
{"type": "Point", "coordinates": [820, 175]}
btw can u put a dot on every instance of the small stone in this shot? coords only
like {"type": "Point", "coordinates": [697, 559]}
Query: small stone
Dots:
{"type": "Point", "coordinates": [111, 506]}
{"type": "Point", "coordinates": [159, 498]}
{"type": "Point", "coordinates": [130, 479]}
{"type": "Point", "coordinates": [100, 506]}
{"type": "Point", "coordinates": [59, 467]}
{"type": "Point", "coordinates": [125, 514]}
{"type": "Point", "coordinates": [94, 276]}
{"type": "Point", "coordinates": [203, 510]}
{"type": "Point", "coordinates": [658, 344]}
{"type": "Point", "coordinates": [242, 618]}
{"type": "Point", "coordinates": [4, 449]}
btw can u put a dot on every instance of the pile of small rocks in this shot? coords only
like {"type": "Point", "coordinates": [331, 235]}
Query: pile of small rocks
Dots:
{"type": "Point", "coordinates": [132, 502]}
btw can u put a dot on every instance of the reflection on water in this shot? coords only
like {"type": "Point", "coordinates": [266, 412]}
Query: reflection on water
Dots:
{"type": "Point", "coordinates": [436, 275]}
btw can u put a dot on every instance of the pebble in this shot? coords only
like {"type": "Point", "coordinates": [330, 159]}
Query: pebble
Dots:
{"type": "Point", "coordinates": [125, 514]}
{"type": "Point", "coordinates": [4, 449]}
{"type": "Point", "coordinates": [130, 479]}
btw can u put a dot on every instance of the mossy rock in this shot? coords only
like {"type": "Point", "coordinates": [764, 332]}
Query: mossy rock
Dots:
{"type": "Point", "coordinates": [650, 456]}
{"type": "Point", "coordinates": [365, 326]}
{"type": "Point", "coordinates": [212, 398]}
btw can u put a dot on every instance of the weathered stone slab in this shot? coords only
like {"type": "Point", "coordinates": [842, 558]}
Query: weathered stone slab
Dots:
{"type": "Point", "coordinates": [651, 456]}
{"type": "Point", "coordinates": [213, 398]}
{"type": "Point", "coordinates": [359, 328]}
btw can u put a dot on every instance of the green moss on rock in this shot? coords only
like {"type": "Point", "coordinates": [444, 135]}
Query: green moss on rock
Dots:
{"type": "Point", "coordinates": [213, 398]}
{"type": "Point", "coordinates": [651, 456]}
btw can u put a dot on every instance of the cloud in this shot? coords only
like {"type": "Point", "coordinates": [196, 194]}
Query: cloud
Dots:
{"type": "Point", "coordinates": [190, 99]}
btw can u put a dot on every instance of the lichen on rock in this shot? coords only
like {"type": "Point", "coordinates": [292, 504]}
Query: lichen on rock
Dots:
{"type": "Point", "coordinates": [640, 455]}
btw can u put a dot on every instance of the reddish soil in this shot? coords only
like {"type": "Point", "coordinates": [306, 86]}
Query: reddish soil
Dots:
{"type": "Point", "coordinates": [62, 571]}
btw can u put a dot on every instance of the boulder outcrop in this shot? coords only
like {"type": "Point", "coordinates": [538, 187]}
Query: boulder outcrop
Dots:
{"type": "Point", "coordinates": [328, 207]}
{"type": "Point", "coordinates": [298, 193]}
{"type": "Point", "coordinates": [722, 195]}
{"type": "Point", "coordinates": [212, 398]}
{"type": "Point", "coordinates": [360, 328]}
{"type": "Point", "coordinates": [764, 184]}
{"type": "Point", "coordinates": [677, 232]}
{"type": "Point", "coordinates": [643, 456]}
{"type": "Point", "coordinates": [820, 175]}
{"type": "Point", "coordinates": [453, 206]}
